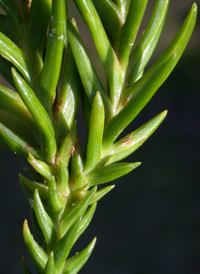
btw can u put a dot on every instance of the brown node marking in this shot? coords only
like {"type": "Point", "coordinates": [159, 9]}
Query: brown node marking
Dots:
{"type": "Point", "coordinates": [128, 141]}
{"type": "Point", "coordinates": [57, 158]}
{"type": "Point", "coordinates": [143, 138]}
{"type": "Point", "coordinates": [117, 59]}
{"type": "Point", "coordinates": [143, 33]}
{"type": "Point", "coordinates": [28, 4]}
{"type": "Point", "coordinates": [28, 112]}
{"type": "Point", "coordinates": [72, 151]}
{"type": "Point", "coordinates": [71, 181]}
{"type": "Point", "coordinates": [126, 101]}
{"type": "Point", "coordinates": [54, 97]}
{"type": "Point", "coordinates": [57, 108]}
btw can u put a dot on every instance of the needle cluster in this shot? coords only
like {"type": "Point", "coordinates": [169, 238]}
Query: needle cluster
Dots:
{"type": "Point", "coordinates": [43, 58]}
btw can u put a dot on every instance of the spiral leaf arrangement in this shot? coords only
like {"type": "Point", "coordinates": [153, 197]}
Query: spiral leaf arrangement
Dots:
{"type": "Point", "coordinates": [44, 59]}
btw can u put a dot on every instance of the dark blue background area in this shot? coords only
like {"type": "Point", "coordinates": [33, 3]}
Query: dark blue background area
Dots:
{"type": "Point", "coordinates": [150, 222]}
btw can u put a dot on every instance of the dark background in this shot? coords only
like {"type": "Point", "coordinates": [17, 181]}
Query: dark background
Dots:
{"type": "Point", "coordinates": [150, 222]}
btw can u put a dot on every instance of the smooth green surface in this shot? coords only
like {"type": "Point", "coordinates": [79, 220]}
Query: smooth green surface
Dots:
{"type": "Point", "coordinates": [49, 76]}
{"type": "Point", "coordinates": [68, 146]}
{"type": "Point", "coordinates": [104, 48]}
{"type": "Point", "coordinates": [110, 17]}
{"type": "Point", "coordinates": [37, 25]}
{"type": "Point", "coordinates": [70, 216]}
{"type": "Point", "coordinates": [17, 144]}
{"type": "Point", "coordinates": [127, 145]}
{"type": "Point", "coordinates": [138, 95]}
{"type": "Point", "coordinates": [66, 107]}
{"type": "Point", "coordinates": [64, 246]}
{"type": "Point", "coordinates": [43, 57]}
{"type": "Point", "coordinates": [85, 67]}
{"type": "Point", "coordinates": [56, 202]}
{"type": "Point", "coordinates": [63, 181]}
{"type": "Point", "coordinates": [31, 185]}
{"type": "Point", "coordinates": [129, 31]}
{"type": "Point", "coordinates": [50, 266]}
{"type": "Point", "coordinates": [75, 263]}
{"type": "Point", "coordinates": [15, 55]}
{"type": "Point", "coordinates": [12, 103]}
{"type": "Point", "coordinates": [44, 219]}
{"type": "Point", "coordinates": [37, 254]}
{"type": "Point", "coordinates": [94, 145]}
{"type": "Point", "coordinates": [101, 193]}
{"type": "Point", "coordinates": [41, 167]}
{"type": "Point", "coordinates": [25, 269]}
{"type": "Point", "coordinates": [85, 221]}
{"type": "Point", "coordinates": [36, 228]}
{"type": "Point", "coordinates": [40, 116]}
{"type": "Point", "coordinates": [148, 42]}
{"type": "Point", "coordinates": [110, 172]}
{"type": "Point", "coordinates": [34, 175]}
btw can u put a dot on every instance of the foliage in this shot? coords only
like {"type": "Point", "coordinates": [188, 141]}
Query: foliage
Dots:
{"type": "Point", "coordinates": [44, 59]}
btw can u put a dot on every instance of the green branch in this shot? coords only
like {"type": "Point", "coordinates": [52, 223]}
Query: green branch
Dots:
{"type": "Point", "coordinates": [49, 75]}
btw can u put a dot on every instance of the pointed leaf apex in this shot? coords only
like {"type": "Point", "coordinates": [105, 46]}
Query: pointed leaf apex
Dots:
{"type": "Point", "coordinates": [13, 70]}
{"type": "Point", "coordinates": [136, 164]}
{"type": "Point", "coordinates": [36, 193]}
{"type": "Point", "coordinates": [194, 6]}
{"type": "Point", "coordinates": [25, 224]}
{"type": "Point", "coordinates": [25, 269]}
{"type": "Point", "coordinates": [50, 266]}
{"type": "Point", "coordinates": [164, 113]}
{"type": "Point", "coordinates": [93, 243]}
{"type": "Point", "coordinates": [94, 189]}
{"type": "Point", "coordinates": [73, 20]}
{"type": "Point", "coordinates": [101, 193]}
{"type": "Point", "coordinates": [98, 94]}
{"type": "Point", "coordinates": [99, 98]}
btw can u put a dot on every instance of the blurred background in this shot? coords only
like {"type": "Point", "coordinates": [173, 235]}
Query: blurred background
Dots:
{"type": "Point", "coordinates": [150, 222]}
